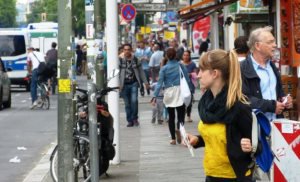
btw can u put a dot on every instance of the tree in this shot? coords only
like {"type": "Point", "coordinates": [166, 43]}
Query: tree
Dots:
{"type": "Point", "coordinates": [79, 16]}
{"type": "Point", "coordinates": [8, 13]}
{"type": "Point", "coordinates": [49, 7]}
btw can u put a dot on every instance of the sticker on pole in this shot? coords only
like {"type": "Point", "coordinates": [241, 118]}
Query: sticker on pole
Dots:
{"type": "Point", "coordinates": [128, 12]}
{"type": "Point", "coordinates": [64, 85]}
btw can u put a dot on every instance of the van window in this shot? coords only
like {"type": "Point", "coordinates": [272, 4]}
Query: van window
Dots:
{"type": "Point", "coordinates": [12, 45]}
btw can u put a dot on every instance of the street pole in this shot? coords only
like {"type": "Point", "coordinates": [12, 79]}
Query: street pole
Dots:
{"type": "Point", "coordinates": [65, 122]}
{"type": "Point", "coordinates": [113, 60]}
{"type": "Point", "coordinates": [99, 43]}
{"type": "Point", "coordinates": [93, 131]}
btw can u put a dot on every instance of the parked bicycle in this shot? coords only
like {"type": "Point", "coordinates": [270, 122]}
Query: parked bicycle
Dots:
{"type": "Point", "coordinates": [81, 159]}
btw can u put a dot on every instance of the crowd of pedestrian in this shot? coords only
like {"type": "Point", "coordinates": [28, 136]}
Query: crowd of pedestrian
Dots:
{"type": "Point", "coordinates": [233, 83]}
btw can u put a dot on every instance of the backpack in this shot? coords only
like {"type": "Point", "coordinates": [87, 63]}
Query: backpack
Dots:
{"type": "Point", "coordinates": [261, 153]}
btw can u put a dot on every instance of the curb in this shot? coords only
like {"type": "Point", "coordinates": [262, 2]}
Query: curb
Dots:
{"type": "Point", "coordinates": [40, 173]}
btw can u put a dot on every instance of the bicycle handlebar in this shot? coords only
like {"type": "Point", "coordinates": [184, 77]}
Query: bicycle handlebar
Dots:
{"type": "Point", "coordinates": [101, 92]}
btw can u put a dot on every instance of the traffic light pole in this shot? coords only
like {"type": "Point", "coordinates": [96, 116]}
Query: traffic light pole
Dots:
{"type": "Point", "coordinates": [93, 131]}
{"type": "Point", "coordinates": [65, 118]}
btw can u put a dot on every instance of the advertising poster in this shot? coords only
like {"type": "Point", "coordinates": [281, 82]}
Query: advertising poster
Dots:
{"type": "Point", "coordinates": [201, 29]}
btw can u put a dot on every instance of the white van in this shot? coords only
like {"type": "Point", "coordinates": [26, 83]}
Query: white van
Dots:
{"type": "Point", "coordinates": [41, 35]}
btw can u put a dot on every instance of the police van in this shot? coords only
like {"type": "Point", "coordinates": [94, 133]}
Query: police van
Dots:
{"type": "Point", "coordinates": [13, 52]}
{"type": "Point", "coordinates": [14, 43]}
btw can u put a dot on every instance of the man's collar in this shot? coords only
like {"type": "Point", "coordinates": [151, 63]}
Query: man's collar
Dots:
{"type": "Point", "coordinates": [256, 65]}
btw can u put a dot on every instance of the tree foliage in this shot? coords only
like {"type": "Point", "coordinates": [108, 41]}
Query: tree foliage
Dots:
{"type": "Point", "coordinates": [50, 8]}
{"type": "Point", "coordinates": [43, 6]}
{"type": "Point", "coordinates": [8, 13]}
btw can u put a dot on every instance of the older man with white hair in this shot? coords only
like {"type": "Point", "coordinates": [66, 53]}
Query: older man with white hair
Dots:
{"type": "Point", "coordinates": [261, 79]}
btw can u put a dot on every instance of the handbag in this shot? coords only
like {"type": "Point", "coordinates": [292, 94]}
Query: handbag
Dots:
{"type": "Point", "coordinates": [42, 66]}
{"type": "Point", "coordinates": [172, 97]}
{"type": "Point", "coordinates": [185, 91]}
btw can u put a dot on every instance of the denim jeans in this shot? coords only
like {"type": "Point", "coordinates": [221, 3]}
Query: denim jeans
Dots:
{"type": "Point", "coordinates": [147, 77]}
{"type": "Point", "coordinates": [130, 95]}
{"type": "Point", "coordinates": [33, 85]}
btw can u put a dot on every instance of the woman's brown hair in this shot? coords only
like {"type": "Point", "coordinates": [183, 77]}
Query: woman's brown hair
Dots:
{"type": "Point", "coordinates": [227, 62]}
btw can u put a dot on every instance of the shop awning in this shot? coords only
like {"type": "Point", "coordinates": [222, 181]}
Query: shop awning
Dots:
{"type": "Point", "coordinates": [196, 12]}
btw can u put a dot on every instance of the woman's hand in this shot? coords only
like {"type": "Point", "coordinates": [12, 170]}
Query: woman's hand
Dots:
{"type": "Point", "coordinates": [193, 139]}
{"type": "Point", "coordinates": [246, 145]}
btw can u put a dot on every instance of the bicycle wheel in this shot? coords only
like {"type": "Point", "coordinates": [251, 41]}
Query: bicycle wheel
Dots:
{"type": "Point", "coordinates": [45, 102]}
{"type": "Point", "coordinates": [81, 160]}
{"type": "Point", "coordinates": [53, 164]}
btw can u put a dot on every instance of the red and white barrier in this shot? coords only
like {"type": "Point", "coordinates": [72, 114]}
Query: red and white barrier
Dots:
{"type": "Point", "coordinates": [286, 146]}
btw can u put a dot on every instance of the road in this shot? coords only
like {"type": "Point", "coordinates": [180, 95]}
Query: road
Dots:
{"type": "Point", "coordinates": [22, 127]}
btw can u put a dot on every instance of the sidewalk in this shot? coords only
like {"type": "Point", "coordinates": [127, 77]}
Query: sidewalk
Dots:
{"type": "Point", "coordinates": [145, 152]}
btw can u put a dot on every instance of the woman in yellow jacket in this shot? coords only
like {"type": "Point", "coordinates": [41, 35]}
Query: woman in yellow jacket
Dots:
{"type": "Point", "coordinates": [225, 119]}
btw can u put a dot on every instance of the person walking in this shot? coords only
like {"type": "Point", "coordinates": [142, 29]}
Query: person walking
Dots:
{"type": "Point", "coordinates": [79, 57]}
{"type": "Point", "coordinates": [33, 60]}
{"type": "Point", "coordinates": [241, 47]}
{"type": "Point", "coordinates": [155, 61]}
{"type": "Point", "coordinates": [169, 77]}
{"type": "Point", "coordinates": [226, 119]}
{"type": "Point", "coordinates": [132, 77]}
{"type": "Point", "coordinates": [261, 79]}
{"type": "Point", "coordinates": [143, 53]}
{"type": "Point", "coordinates": [157, 105]}
{"type": "Point", "coordinates": [192, 72]}
{"type": "Point", "coordinates": [51, 59]}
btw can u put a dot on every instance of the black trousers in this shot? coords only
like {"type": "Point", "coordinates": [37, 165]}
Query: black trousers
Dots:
{"type": "Point", "coordinates": [180, 118]}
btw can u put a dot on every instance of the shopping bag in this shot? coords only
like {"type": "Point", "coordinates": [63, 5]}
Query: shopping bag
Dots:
{"type": "Point", "coordinates": [185, 91]}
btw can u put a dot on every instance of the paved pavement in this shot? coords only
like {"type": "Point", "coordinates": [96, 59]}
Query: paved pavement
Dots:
{"type": "Point", "coordinates": [146, 154]}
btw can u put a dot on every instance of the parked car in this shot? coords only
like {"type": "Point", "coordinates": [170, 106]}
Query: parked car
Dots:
{"type": "Point", "coordinates": [5, 94]}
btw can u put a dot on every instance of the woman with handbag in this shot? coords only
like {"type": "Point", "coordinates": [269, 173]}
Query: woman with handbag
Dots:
{"type": "Point", "coordinates": [192, 72]}
{"type": "Point", "coordinates": [226, 119]}
{"type": "Point", "coordinates": [169, 77]}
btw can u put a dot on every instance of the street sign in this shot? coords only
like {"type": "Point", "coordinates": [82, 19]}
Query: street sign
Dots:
{"type": "Point", "coordinates": [128, 12]}
{"type": "Point", "coordinates": [157, 7]}
{"type": "Point", "coordinates": [139, 1]}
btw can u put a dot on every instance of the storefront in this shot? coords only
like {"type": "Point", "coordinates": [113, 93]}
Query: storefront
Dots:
{"type": "Point", "coordinates": [232, 18]}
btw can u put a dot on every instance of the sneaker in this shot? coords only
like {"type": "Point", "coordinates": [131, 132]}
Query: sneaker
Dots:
{"type": "Point", "coordinates": [130, 124]}
{"type": "Point", "coordinates": [35, 103]}
{"type": "Point", "coordinates": [160, 121]}
{"type": "Point", "coordinates": [136, 123]}
{"type": "Point", "coordinates": [142, 93]}
{"type": "Point", "coordinates": [178, 136]}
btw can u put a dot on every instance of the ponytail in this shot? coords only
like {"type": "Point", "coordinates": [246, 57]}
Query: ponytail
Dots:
{"type": "Point", "coordinates": [234, 81]}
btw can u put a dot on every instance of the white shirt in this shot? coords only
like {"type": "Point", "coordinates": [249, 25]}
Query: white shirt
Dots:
{"type": "Point", "coordinates": [35, 58]}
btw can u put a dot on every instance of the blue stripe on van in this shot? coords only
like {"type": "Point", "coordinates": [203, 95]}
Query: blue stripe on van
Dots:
{"type": "Point", "coordinates": [16, 64]}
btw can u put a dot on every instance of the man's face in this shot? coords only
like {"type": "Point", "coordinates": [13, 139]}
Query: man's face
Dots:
{"type": "Point", "coordinates": [142, 45]}
{"type": "Point", "coordinates": [127, 51]}
{"type": "Point", "coordinates": [267, 45]}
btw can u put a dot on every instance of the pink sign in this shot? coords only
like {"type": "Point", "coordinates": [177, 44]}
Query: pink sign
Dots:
{"type": "Point", "coordinates": [201, 30]}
